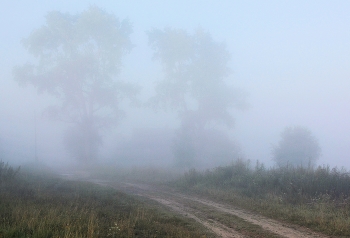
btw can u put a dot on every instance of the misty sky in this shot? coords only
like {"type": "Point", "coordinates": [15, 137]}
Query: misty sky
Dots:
{"type": "Point", "coordinates": [292, 58]}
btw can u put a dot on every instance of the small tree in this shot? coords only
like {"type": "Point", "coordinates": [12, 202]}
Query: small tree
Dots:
{"type": "Point", "coordinates": [297, 147]}
{"type": "Point", "coordinates": [77, 59]}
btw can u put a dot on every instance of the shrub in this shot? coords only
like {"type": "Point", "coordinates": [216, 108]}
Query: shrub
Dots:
{"type": "Point", "coordinates": [7, 173]}
{"type": "Point", "coordinates": [293, 184]}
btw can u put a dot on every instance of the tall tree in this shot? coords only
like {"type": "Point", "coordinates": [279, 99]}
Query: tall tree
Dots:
{"type": "Point", "coordinates": [77, 59]}
{"type": "Point", "coordinates": [195, 84]}
{"type": "Point", "coordinates": [297, 147]}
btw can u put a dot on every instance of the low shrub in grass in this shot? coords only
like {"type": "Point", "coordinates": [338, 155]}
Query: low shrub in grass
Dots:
{"type": "Point", "coordinates": [294, 184]}
{"type": "Point", "coordinates": [45, 206]}
{"type": "Point", "coordinates": [7, 173]}
{"type": "Point", "coordinates": [318, 198]}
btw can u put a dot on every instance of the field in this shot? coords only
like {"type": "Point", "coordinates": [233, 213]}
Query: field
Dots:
{"type": "Point", "coordinates": [239, 200]}
{"type": "Point", "coordinates": [41, 205]}
{"type": "Point", "coordinates": [317, 198]}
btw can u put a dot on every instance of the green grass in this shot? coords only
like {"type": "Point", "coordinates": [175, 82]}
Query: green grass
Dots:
{"type": "Point", "coordinates": [240, 225]}
{"type": "Point", "coordinates": [7, 173]}
{"type": "Point", "coordinates": [40, 205]}
{"type": "Point", "coordinates": [316, 198]}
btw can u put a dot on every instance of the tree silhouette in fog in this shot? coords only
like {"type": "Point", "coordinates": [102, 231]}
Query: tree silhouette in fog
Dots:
{"type": "Point", "coordinates": [194, 84]}
{"type": "Point", "coordinates": [77, 59]}
{"type": "Point", "coordinates": [297, 147]}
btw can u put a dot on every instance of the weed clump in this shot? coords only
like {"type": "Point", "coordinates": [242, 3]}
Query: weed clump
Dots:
{"type": "Point", "coordinates": [42, 205]}
{"type": "Point", "coordinates": [316, 197]}
{"type": "Point", "coordinates": [7, 173]}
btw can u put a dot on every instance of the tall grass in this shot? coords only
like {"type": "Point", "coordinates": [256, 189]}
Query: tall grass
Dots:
{"type": "Point", "coordinates": [7, 173]}
{"type": "Point", "coordinates": [318, 198]}
{"type": "Point", "coordinates": [39, 205]}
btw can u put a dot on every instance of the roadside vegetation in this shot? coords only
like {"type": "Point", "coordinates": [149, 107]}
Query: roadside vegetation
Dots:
{"type": "Point", "coordinates": [41, 205]}
{"type": "Point", "coordinates": [317, 198]}
{"type": "Point", "coordinates": [7, 173]}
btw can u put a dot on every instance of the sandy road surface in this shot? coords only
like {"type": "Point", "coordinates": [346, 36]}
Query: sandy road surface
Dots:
{"type": "Point", "coordinates": [183, 205]}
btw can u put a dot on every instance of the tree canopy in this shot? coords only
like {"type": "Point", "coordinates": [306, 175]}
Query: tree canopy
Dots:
{"type": "Point", "coordinates": [297, 147]}
{"type": "Point", "coordinates": [195, 73]}
{"type": "Point", "coordinates": [76, 59]}
{"type": "Point", "coordinates": [195, 84]}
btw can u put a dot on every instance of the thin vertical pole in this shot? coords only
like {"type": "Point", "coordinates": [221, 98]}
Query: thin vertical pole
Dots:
{"type": "Point", "coordinates": [35, 138]}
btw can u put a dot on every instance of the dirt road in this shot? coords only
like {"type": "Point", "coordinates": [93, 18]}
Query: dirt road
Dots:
{"type": "Point", "coordinates": [222, 219]}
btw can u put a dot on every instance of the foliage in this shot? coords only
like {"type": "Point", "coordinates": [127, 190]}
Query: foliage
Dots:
{"type": "Point", "coordinates": [195, 68]}
{"type": "Point", "coordinates": [42, 206]}
{"type": "Point", "coordinates": [293, 184]}
{"type": "Point", "coordinates": [297, 147]}
{"type": "Point", "coordinates": [194, 84]}
{"type": "Point", "coordinates": [7, 173]}
{"type": "Point", "coordinates": [318, 198]}
{"type": "Point", "coordinates": [77, 58]}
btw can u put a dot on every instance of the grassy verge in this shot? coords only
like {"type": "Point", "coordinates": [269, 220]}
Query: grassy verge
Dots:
{"type": "Point", "coordinates": [240, 225]}
{"type": "Point", "coordinates": [316, 198]}
{"type": "Point", "coordinates": [44, 206]}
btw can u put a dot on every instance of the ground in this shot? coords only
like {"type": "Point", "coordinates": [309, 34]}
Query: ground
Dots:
{"type": "Point", "coordinates": [222, 219]}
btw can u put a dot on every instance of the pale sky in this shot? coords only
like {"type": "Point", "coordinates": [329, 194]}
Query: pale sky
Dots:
{"type": "Point", "coordinates": [292, 58]}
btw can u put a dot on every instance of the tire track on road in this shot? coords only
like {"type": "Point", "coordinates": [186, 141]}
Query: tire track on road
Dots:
{"type": "Point", "coordinates": [171, 198]}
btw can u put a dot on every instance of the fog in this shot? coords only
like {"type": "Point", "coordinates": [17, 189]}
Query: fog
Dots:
{"type": "Point", "coordinates": [289, 64]}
